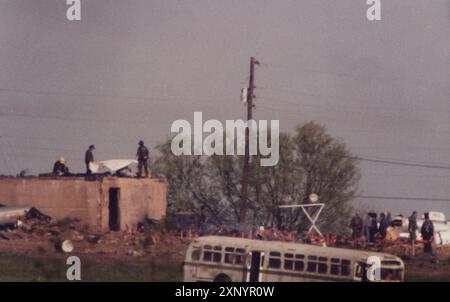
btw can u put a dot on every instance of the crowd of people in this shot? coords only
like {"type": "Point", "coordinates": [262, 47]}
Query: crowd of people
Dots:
{"type": "Point", "coordinates": [373, 231]}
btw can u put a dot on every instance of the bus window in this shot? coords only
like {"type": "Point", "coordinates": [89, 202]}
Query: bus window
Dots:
{"type": "Point", "coordinates": [391, 274]}
{"type": "Point", "coordinates": [299, 264]}
{"type": "Point", "coordinates": [323, 266]}
{"type": "Point", "coordinates": [389, 262]}
{"type": "Point", "coordinates": [229, 255]}
{"type": "Point", "coordinates": [339, 267]}
{"type": "Point", "coordinates": [217, 255]}
{"type": "Point", "coordinates": [239, 257]}
{"type": "Point", "coordinates": [210, 255]}
{"type": "Point", "coordinates": [195, 255]}
{"type": "Point", "coordinates": [274, 260]}
{"type": "Point", "coordinates": [345, 268]}
{"type": "Point", "coordinates": [289, 261]}
{"type": "Point", "coordinates": [207, 254]}
{"type": "Point", "coordinates": [335, 267]}
{"type": "Point", "coordinates": [312, 264]}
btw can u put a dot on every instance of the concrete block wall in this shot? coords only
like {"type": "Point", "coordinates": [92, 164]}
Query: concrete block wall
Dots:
{"type": "Point", "coordinates": [88, 200]}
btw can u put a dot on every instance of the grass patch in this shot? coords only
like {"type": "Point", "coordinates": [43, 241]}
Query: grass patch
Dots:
{"type": "Point", "coordinates": [14, 268]}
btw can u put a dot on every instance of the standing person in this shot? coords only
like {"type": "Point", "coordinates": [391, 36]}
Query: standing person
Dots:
{"type": "Point", "coordinates": [356, 224]}
{"type": "Point", "coordinates": [367, 222]}
{"type": "Point", "coordinates": [142, 155]}
{"type": "Point", "coordinates": [373, 227]}
{"type": "Point", "coordinates": [384, 224]}
{"type": "Point", "coordinates": [412, 226]}
{"type": "Point", "coordinates": [389, 218]}
{"type": "Point", "coordinates": [427, 232]}
{"type": "Point", "coordinates": [89, 158]}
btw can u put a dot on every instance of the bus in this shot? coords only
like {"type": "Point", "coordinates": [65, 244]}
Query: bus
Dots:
{"type": "Point", "coordinates": [230, 259]}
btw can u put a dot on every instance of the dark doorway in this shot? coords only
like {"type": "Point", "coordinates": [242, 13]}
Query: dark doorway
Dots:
{"type": "Point", "coordinates": [255, 267]}
{"type": "Point", "coordinates": [114, 214]}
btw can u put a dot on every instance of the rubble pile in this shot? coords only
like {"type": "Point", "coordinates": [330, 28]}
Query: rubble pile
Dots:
{"type": "Point", "coordinates": [37, 231]}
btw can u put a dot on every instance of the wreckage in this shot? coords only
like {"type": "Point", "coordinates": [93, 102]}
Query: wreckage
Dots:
{"type": "Point", "coordinates": [119, 167]}
{"type": "Point", "coordinates": [10, 215]}
{"type": "Point", "coordinates": [441, 227]}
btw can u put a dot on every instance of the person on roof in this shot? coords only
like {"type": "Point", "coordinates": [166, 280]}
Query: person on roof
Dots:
{"type": "Point", "coordinates": [60, 167]}
{"type": "Point", "coordinates": [142, 155]}
{"type": "Point", "coordinates": [89, 158]}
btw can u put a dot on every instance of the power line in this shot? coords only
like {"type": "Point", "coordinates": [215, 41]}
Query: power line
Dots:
{"type": "Point", "coordinates": [383, 78]}
{"type": "Point", "coordinates": [401, 198]}
{"type": "Point", "coordinates": [407, 175]}
{"type": "Point", "coordinates": [329, 116]}
{"type": "Point", "coordinates": [391, 162]}
{"type": "Point", "coordinates": [340, 107]}
{"type": "Point", "coordinates": [325, 111]}
{"type": "Point", "coordinates": [142, 99]}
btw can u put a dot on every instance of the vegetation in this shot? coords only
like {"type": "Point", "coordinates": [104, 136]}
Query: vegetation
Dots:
{"type": "Point", "coordinates": [310, 161]}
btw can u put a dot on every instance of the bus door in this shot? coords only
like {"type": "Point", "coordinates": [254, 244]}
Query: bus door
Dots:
{"type": "Point", "coordinates": [360, 272]}
{"type": "Point", "coordinates": [254, 266]}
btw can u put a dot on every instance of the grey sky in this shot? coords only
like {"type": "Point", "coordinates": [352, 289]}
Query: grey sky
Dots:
{"type": "Point", "coordinates": [130, 68]}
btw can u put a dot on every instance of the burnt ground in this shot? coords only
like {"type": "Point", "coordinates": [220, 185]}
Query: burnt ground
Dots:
{"type": "Point", "coordinates": [32, 253]}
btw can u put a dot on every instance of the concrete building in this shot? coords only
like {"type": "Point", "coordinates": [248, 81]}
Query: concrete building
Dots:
{"type": "Point", "coordinates": [104, 203]}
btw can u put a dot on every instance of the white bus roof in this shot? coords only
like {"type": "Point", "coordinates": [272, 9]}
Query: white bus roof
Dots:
{"type": "Point", "coordinates": [308, 249]}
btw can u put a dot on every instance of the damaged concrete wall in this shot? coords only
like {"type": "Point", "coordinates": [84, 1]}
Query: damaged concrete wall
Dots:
{"type": "Point", "coordinates": [88, 200]}
{"type": "Point", "coordinates": [139, 198]}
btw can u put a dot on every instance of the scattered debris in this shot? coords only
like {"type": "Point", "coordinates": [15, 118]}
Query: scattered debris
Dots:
{"type": "Point", "coordinates": [40, 233]}
{"type": "Point", "coordinates": [67, 246]}
{"type": "Point", "coordinates": [7, 235]}
{"type": "Point", "coordinates": [10, 215]}
{"type": "Point", "coordinates": [35, 213]}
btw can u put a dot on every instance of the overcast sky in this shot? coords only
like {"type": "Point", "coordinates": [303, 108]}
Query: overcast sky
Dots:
{"type": "Point", "coordinates": [128, 69]}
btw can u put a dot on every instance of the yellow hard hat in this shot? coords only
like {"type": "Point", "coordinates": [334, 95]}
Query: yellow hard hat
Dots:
{"type": "Point", "coordinates": [62, 160]}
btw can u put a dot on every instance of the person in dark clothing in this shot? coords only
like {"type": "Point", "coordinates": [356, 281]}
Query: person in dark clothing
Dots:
{"type": "Point", "coordinates": [427, 232]}
{"type": "Point", "coordinates": [384, 224]}
{"type": "Point", "coordinates": [89, 158]}
{"type": "Point", "coordinates": [356, 224]}
{"type": "Point", "coordinates": [366, 222]}
{"type": "Point", "coordinates": [372, 227]}
{"type": "Point", "coordinates": [389, 218]}
{"type": "Point", "coordinates": [412, 226]}
{"type": "Point", "coordinates": [143, 157]}
{"type": "Point", "coordinates": [60, 167]}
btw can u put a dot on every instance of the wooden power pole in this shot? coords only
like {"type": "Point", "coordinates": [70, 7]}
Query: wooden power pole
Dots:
{"type": "Point", "coordinates": [244, 202]}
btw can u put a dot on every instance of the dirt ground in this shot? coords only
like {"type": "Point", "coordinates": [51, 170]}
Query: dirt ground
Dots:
{"type": "Point", "coordinates": [32, 253]}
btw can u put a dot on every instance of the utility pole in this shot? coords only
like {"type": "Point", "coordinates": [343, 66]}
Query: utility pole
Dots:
{"type": "Point", "coordinates": [245, 178]}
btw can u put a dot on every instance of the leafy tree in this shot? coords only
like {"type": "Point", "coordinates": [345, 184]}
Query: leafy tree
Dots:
{"type": "Point", "coordinates": [310, 161]}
